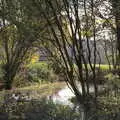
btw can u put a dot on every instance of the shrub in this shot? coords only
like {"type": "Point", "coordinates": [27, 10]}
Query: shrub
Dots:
{"type": "Point", "coordinates": [39, 110]}
{"type": "Point", "coordinates": [113, 80]}
{"type": "Point", "coordinates": [40, 72]}
{"type": "Point", "coordinates": [57, 68]}
{"type": "Point", "coordinates": [34, 73]}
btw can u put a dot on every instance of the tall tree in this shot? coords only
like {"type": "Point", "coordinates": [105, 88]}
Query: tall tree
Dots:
{"type": "Point", "coordinates": [116, 13]}
{"type": "Point", "coordinates": [17, 36]}
{"type": "Point", "coordinates": [65, 26]}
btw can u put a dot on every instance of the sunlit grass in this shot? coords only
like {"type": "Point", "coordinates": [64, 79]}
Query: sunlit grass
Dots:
{"type": "Point", "coordinates": [104, 66]}
{"type": "Point", "coordinates": [42, 90]}
{"type": "Point", "coordinates": [37, 91]}
{"type": "Point", "coordinates": [38, 64]}
{"type": "Point", "coordinates": [101, 66]}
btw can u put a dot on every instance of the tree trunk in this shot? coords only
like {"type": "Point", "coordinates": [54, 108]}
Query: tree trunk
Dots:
{"type": "Point", "coordinates": [116, 13]}
{"type": "Point", "coordinates": [8, 85]}
{"type": "Point", "coordinates": [9, 76]}
{"type": "Point", "coordinates": [8, 81]}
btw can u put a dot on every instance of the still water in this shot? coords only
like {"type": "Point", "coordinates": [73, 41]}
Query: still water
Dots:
{"type": "Point", "coordinates": [64, 95]}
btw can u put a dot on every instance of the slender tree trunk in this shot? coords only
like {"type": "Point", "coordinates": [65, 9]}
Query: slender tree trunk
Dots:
{"type": "Point", "coordinates": [116, 13]}
{"type": "Point", "coordinates": [10, 73]}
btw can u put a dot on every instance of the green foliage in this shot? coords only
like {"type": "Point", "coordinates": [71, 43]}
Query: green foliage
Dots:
{"type": "Point", "coordinates": [21, 80]}
{"type": "Point", "coordinates": [34, 73]}
{"type": "Point", "coordinates": [113, 80]}
{"type": "Point", "coordinates": [110, 101]}
{"type": "Point", "coordinates": [110, 104]}
{"type": "Point", "coordinates": [57, 68]}
{"type": "Point", "coordinates": [18, 35]}
{"type": "Point", "coordinates": [39, 110]}
{"type": "Point", "coordinates": [38, 72]}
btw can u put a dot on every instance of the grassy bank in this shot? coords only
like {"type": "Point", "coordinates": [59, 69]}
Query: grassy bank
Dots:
{"type": "Point", "coordinates": [42, 90]}
{"type": "Point", "coordinates": [37, 91]}
{"type": "Point", "coordinates": [40, 109]}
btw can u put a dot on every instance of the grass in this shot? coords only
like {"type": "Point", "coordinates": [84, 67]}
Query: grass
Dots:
{"type": "Point", "coordinates": [44, 64]}
{"type": "Point", "coordinates": [104, 66]}
{"type": "Point", "coordinates": [43, 90]}
{"type": "Point", "coordinates": [37, 91]}
{"type": "Point", "coordinates": [101, 66]}
{"type": "Point", "coordinates": [38, 65]}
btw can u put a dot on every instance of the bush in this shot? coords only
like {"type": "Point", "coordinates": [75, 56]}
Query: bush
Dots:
{"type": "Point", "coordinates": [40, 72]}
{"type": "Point", "coordinates": [57, 68]}
{"type": "Point", "coordinates": [39, 110]}
{"type": "Point", "coordinates": [113, 80]}
{"type": "Point", "coordinates": [34, 73]}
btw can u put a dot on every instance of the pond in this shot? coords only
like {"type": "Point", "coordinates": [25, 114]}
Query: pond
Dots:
{"type": "Point", "coordinates": [64, 95]}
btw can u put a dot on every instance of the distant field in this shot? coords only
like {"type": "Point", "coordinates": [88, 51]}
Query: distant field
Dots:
{"type": "Point", "coordinates": [38, 64]}
{"type": "Point", "coordinates": [45, 64]}
{"type": "Point", "coordinates": [103, 66]}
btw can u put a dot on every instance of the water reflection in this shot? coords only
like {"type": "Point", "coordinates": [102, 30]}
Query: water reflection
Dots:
{"type": "Point", "coordinates": [64, 95]}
